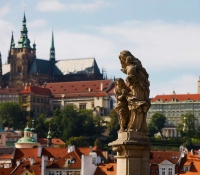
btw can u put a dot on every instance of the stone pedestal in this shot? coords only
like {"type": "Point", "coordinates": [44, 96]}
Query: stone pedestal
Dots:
{"type": "Point", "coordinates": [133, 152]}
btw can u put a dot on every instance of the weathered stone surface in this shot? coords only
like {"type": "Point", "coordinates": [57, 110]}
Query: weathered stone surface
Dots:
{"type": "Point", "coordinates": [133, 143]}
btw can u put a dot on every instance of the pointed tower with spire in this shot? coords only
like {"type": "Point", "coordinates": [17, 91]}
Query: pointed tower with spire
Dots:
{"type": "Point", "coordinates": [49, 137]}
{"type": "Point", "coordinates": [52, 57]}
{"type": "Point", "coordinates": [21, 57]}
{"type": "Point", "coordinates": [9, 52]}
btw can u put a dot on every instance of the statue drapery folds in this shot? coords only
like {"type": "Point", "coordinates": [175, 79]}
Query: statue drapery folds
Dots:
{"type": "Point", "coordinates": [133, 96]}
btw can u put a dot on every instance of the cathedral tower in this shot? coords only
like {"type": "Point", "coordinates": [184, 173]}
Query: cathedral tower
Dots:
{"type": "Point", "coordinates": [52, 57]}
{"type": "Point", "coordinates": [21, 58]}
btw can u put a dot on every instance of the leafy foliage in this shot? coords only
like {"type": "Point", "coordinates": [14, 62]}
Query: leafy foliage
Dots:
{"type": "Point", "coordinates": [12, 116]}
{"type": "Point", "coordinates": [113, 126]}
{"type": "Point", "coordinates": [77, 141]}
{"type": "Point", "coordinates": [41, 126]}
{"type": "Point", "coordinates": [187, 127]}
{"type": "Point", "coordinates": [157, 123]}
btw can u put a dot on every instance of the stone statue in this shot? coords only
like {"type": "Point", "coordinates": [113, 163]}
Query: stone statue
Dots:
{"type": "Point", "coordinates": [121, 92]}
{"type": "Point", "coordinates": [133, 97]}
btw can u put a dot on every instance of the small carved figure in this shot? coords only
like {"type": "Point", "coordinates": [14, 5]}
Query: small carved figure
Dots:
{"type": "Point", "coordinates": [137, 98]}
{"type": "Point", "coordinates": [121, 91]}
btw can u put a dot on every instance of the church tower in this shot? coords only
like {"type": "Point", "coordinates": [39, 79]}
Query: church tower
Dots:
{"type": "Point", "coordinates": [9, 52]}
{"type": "Point", "coordinates": [52, 57]}
{"type": "Point", "coordinates": [21, 58]}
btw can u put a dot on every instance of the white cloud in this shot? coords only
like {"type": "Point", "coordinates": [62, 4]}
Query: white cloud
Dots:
{"type": "Point", "coordinates": [159, 45]}
{"type": "Point", "coordinates": [85, 7]}
{"type": "Point", "coordinates": [182, 84]}
{"type": "Point", "coordinates": [37, 23]}
{"type": "Point", "coordinates": [50, 5]}
{"type": "Point", "coordinates": [4, 10]}
{"type": "Point", "coordinates": [55, 5]}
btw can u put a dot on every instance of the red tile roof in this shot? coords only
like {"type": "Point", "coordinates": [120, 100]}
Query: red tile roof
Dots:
{"type": "Point", "coordinates": [80, 88]}
{"type": "Point", "coordinates": [195, 164]}
{"type": "Point", "coordinates": [106, 169]}
{"type": "Point", "coordinates": [76, 155]}
{"type": "Point", "coordinates": [10, 90]}
{"type": "Point", "coordinates": [24, 153]}
{"type": "Point", "coordinates": [55, 141]}
{"type": "Point", "coordinates": [5, 171]}
{"type": "Point", "coordinates": [25, 165]}
{"type": "Point", "coordinates": [178, 97]}
{"type": "Point", "coordinates": [158, 157]}
{"type": "Point", "coordinates": [30, 89]}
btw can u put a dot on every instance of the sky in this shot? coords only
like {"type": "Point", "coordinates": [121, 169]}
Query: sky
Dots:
{"type": "Point", "coordinates": [164, 35]}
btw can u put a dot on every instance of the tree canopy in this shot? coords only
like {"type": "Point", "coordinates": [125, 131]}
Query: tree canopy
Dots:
{"type": "Point", "coordinates": [186, 127]}
{"type": "Point", "coordinates": [113, 126]}
{"type": "Point", "coordinates": [157, 123]}
{"type": "Point", "coordinates": [12, 115]}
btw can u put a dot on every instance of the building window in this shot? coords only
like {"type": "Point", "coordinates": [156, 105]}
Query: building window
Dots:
{"type": "Point", "coordinates": [151, 170]}
{"type": "Point", "coordinates": [82, 106]}
{"type": "Point", "coordinates": [186, 168]}
{"type": "Point", "coordinates": [51, 172]}
{"type": "Point", "coordinates": [58, 172]}
{"type": "Point", "coordinates": [157, 171]}
{"type": "Point", "coordinates": [170, 171]}
{"type": "Point", "coordinates": [111, 104]}
{"type": "Point", "coordinates": [163, 171]}
{"type": "Point", "coordinates": [56, 107]}
{"type": "Point", "coordinates": [69, 172]}
{"type": "Point", "coordinates": [92, 105]}
{"type": "Point", "coordinates": [23, 98]}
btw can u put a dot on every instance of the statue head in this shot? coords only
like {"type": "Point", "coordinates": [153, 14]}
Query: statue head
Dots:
{"type": "Point", "coordinates": [119, 82]}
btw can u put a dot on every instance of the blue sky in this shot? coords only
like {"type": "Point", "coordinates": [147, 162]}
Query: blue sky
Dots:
{"type": "Point", "coordinates": [164, 35]}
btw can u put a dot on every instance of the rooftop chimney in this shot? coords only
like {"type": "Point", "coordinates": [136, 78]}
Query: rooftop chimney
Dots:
{"type": "Point", "coordinates": [39, 151]}
{"type": "Point", "coordinates": [101, 86]}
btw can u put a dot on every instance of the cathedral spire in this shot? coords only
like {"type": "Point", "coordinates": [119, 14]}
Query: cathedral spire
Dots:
{"type": "Point", "coordinates": [52, 50]}
{"type": "Point", "coordinates": [24, 42]}
{"type": "Point", "coordinates": [9, 52]}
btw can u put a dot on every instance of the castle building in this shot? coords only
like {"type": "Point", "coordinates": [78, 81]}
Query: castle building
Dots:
{"type": "Point", "coordinates": [24, 67]}
{"type": "Point", "coordinates": [172, 106]}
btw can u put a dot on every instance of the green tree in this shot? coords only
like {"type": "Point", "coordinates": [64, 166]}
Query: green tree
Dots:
{"type": "Point", "coordinates": [77, 141]}
{"type": "Point", "coordinates": [152, 129]}
{"type": "Point", "coordinates": [86, 119]}
{"type": "Point", "coordinates": [187, 127]}
{"type": "Point", "coordinates": [113, 125]}
{"type": "Point", "coordinates": [11, 115]}
{"type": "Point", "coordinates": [41, 126]}
{"type": "Point", "coordinates": [100, 125]}
{"type": "Point", "coordinates": [157, 123]}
